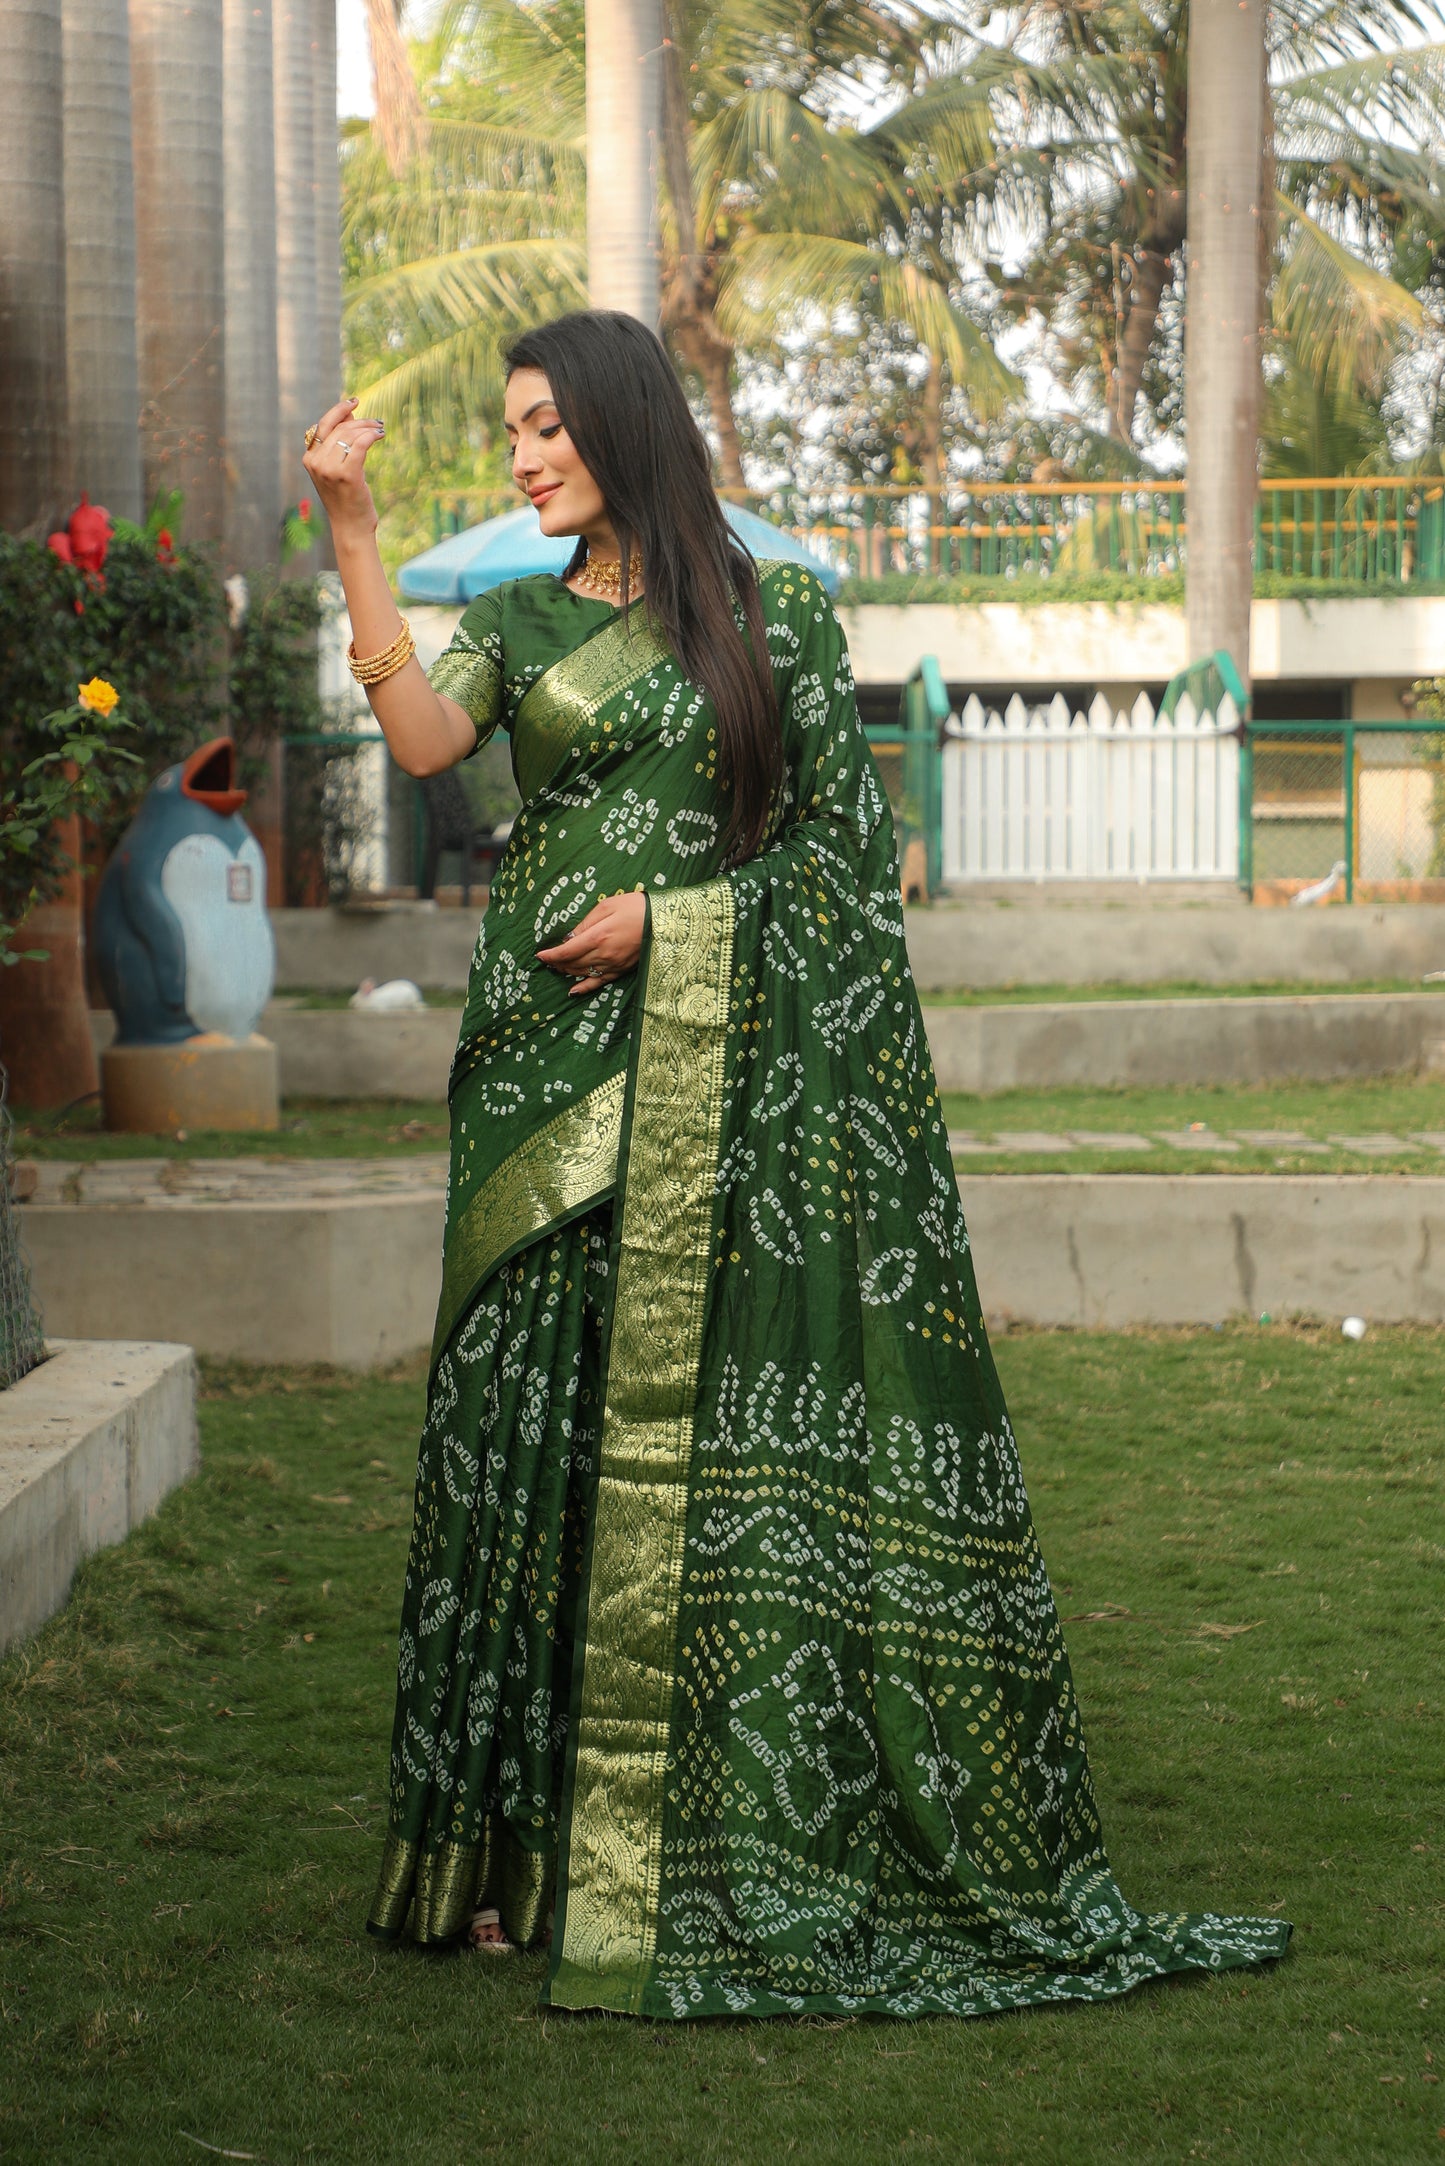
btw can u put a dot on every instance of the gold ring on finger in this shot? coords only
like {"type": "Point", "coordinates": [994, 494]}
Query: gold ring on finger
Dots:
{"type": "Point", "coordinates": [312, 434]}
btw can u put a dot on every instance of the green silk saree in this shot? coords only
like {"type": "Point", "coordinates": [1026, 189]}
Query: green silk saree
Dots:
{"type": "Point", "coordinates": [724, 1613]}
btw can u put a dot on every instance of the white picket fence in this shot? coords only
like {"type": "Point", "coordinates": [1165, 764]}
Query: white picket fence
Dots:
{"type": "Point", "coordinates": [1043, 793]}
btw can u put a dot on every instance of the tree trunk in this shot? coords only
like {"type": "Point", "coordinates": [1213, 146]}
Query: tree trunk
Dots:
{"type": "Point", "coordinates": [1152, 273]}
{"type": "Point", "coordinates": [180, 254]}
{"type": "Point", "coordinates": [252, 379]}
{"type": "Point", "coordinates": [710, 356]}
{"type": "Point", "coordinates": [624, 121]}
{"type": "Point", "coordinates": [1222, 311]}
{"type": "Point", "coordinates": [687, 312]}
{"type": "Point", "coordinates": [400, 116]}
{"type": "Point", "coordinates": [103, 371]}
{"type": "Point", "coordinates": [34, 441]}
{"type": "Point", "coordinates": [330, 366]}
{"type": "Point", "coordinates": [930, 454]}
{"type": "Point", "coordinates": [45, 1041]}
{"type": "Point", "coordinates": [297, 321]}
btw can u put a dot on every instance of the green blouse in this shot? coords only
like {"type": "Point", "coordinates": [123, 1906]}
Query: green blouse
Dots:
{"type": "Point", "coordinates": [507, 638]}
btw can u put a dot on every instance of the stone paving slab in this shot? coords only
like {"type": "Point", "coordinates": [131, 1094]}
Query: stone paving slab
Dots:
{"type": "Point", "coordinates": [1280, 1139]}
{"type": "Point", "coordinates": [1197, 1138]}
{"type": "Point", "coordinates": [169, 1182]}
{"type": "Point", "coordinates": [964, 1143]}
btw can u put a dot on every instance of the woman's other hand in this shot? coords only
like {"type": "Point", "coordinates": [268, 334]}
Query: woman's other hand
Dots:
{"type": "Point", "coordinates": [606, 943]}
{"type": "Point", "coordinates": [336, 463]}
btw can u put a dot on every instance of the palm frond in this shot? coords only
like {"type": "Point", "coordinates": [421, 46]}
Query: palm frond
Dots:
{"type": "Point", "coordinates": [1344, 320]}
{"type": "Point", "coordinates": [435, 395]}
{"type": "Point", "coordinates": [769, 148]}
{"type": "Point", "coordinates": [788, 274]}
{"type": "Point", "coordinates": [506, 278]}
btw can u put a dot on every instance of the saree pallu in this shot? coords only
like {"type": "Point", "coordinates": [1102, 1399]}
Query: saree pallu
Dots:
{"type": "Point", "coordinates": [823, 1752]}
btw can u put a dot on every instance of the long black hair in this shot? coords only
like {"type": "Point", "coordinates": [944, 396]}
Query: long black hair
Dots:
{"type": "Point", "coordinates": [624, 409]}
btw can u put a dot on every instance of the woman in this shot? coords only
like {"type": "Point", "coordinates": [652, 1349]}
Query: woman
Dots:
{"type": "Point", "coordinates": [724, 1624]}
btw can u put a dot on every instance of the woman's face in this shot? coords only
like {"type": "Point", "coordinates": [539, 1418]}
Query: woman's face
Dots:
{"type": "Point", "coordinates": [547, 464]}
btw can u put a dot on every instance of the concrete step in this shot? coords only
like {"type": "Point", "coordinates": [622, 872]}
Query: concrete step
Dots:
{"type": "Point", "coordinates": [1147, 1044]}
{"type": "Point", "coordinates": [1016, 934]}
{"type": "Point", "coordinates": [972, 945]}
{"type": "Point", "coordinates": [90, 1442]}
{"type": "Point", "coordinates": [297, 1269]}
{"type": "Point", "coordinates": [1043, 1045]}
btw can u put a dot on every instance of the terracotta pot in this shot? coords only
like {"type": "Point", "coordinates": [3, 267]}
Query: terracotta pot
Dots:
{"type": "Point", "coordinates": [45, 1042]}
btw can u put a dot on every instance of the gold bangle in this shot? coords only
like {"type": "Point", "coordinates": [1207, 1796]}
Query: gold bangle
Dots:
{"type": "Point", "coordinates": [371, 669]}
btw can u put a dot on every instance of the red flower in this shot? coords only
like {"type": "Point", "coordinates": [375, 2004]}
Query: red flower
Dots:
{"type": "Point", "coordinates": [89, 528]}
{"type": "Point", "coordinates": [165, 546]}
{"type": "Point", "coordinates": [303, 509]}
{"type": "Point", "coordinates": [59, 546]}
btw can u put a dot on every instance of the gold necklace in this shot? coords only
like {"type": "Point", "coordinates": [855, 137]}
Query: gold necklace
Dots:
{"type": "Point", "coordinates": [603, 576]}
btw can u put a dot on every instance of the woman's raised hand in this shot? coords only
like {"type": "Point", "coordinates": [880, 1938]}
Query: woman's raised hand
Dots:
{"type": "Point", "coordinates": [336, 462]}
{"type": "Point", "coordinates": [606, 943]}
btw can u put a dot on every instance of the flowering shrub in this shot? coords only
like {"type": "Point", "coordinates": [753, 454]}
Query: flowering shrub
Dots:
{"type": "Point", "coordinates": [128, 605]}
{"type": "Point", "coordinates": [81, 770]}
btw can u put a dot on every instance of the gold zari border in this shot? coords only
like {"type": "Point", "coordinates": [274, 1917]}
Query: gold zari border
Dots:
{"type": "Point", "coordinates": [562, 1167]}
{"type": "Point", "coordinates": [474, 681]}
{"type": "Point", "coordinates": [567, 697]}
{"type": "Point", "coordinates": [612, 1843]}
{"type": "Point", "coordinates": [439, 1889]}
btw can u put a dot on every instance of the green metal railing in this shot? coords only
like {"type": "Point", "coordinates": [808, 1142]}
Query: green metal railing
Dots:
{"type": "Point", "coordinates": [1363, 801]}
{"type": "Point", "coordinates": [1367, 530]}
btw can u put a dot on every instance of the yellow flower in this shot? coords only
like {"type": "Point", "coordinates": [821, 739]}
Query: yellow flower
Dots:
{"type": "Point", "coordinates": [99, 696]}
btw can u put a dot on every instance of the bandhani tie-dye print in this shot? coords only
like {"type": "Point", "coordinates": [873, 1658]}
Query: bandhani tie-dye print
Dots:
{"type": "Point", "coordinates": [804, 1738]}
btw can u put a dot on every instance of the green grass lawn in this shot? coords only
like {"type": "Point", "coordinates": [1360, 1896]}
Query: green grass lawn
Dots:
{"type": "Point", "coordinates": [310, 1128]}
{"type": "Point", "coordinates": [1246, 1537]}
{"type": "Point", "coordinates": [1394, 1105]}
{"type": "Point", "coordinates": [366, 1128]}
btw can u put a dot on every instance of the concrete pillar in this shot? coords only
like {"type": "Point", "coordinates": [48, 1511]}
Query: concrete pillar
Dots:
{"type": "Point", "coordinates": [34, 440]}
{"type": "Point", "coordinates": [624, 125]}
{"type": "Point", "coordinates": [330, 366]}
{"type": "Point", "coordinates": [1222, 302]}
{"type": "Point", "coordinates": [176, 48]}
{"type": "Point", "coordinates": [253, 504]}
{"type": "Point", "coordinates": [297, 319]}
{"type": "Point", "coordinates": [100, 275]}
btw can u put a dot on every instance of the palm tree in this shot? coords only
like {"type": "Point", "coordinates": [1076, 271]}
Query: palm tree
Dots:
{"type": "Point", "coordinates": [328, 209]}
{"type": "Point", "coordinates": [481, 234]}
{"type": "Point", "coordinates": [100, 278]}
{"type": "Point", "coordinates": [778, 210]}
{"type": "Point", "coordinates": [176, 50]}
{"type": "Point", "coordinates": [34, 479]}
{"type": "Point", "coordinates": [624, 125]}
{"type": "Point", "coordinates": [1221, 364]}
{"type": "Point", "coordinates": [1072, 134]}
{"type": "Point", "coordinates": [401, 126]}
{"type": "Point", "coordinates": [252, 381]}
{"type": "Point", "coordinates": [298, 349]}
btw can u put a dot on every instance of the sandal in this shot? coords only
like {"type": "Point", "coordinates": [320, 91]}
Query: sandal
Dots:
{"type": "Point", "coordinates": [494, 1943]}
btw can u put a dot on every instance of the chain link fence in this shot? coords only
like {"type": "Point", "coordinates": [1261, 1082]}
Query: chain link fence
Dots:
{"type": "Point", "coordinates": [1354, 810]}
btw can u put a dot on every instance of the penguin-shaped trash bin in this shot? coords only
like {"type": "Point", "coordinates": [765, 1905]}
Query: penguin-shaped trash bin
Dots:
{"type": "Point", "coordinates": [187, 959]}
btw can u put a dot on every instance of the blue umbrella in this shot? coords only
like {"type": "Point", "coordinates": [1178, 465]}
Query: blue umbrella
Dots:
{"type": "Point", "coordinates": [511, 546]}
